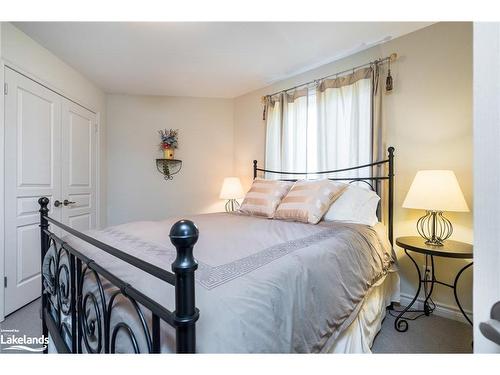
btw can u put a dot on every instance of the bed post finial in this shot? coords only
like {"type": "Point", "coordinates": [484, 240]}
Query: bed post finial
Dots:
{"type": "Point", "coordinates": [44, 225]}
{"type": "Point", "coordinates": [44, 247]}
{"type": "Point", "coordinates": [183, 236]}
{"type": "Point", "coordinates": [254, 169]}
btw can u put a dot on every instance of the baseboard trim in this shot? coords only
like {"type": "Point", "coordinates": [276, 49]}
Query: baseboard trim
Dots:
{"type": "Point", "coordinates": [443, 310]}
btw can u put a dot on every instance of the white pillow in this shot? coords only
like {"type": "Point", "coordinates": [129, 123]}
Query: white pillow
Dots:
{"type": "Point", "coordinates": [356, 205]}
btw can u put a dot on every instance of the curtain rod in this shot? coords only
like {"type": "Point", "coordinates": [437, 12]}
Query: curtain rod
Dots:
{"type": "Point", "coordinates": [390, 58]}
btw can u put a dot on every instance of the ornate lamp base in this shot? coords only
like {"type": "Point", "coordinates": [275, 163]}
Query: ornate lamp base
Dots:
{"type": "Point", "coordinates": [434, 227]}
{"type": "Point", "coordinates": [232, 205]}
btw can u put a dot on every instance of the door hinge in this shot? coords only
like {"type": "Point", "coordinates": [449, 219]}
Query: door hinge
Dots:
{"type": "Point", "coordinates": [5, 281]}
{"type": "Point", "coordinates": [96, 129]}
{"type": "Point", "coordinates": [5, 88]}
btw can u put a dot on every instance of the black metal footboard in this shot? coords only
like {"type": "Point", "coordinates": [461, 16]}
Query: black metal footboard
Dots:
{"type": "Point", "coordinates": [80, 321]}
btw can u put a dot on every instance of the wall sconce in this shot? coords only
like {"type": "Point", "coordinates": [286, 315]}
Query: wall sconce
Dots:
{"type": "Point", "coordinates": [168, 167]}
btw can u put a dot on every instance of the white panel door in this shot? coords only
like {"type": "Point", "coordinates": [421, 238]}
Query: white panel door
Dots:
{"type": "Point", "coordinates": [32, 170]}
{"type": "Point", "coordinates": [79, 166]}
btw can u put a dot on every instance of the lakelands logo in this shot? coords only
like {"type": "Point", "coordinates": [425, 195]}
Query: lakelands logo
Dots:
{"type": "Point", "coordinates": [11, 340]}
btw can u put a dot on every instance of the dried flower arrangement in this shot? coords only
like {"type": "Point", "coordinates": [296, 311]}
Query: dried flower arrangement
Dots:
{"type": "Point", "coordinates": [168, 138]}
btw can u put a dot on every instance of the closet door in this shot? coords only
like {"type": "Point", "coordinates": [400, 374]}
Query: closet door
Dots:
{"type": "Point", "coordinates": [32, 170]}
{"type": "Point", "coordinates": [79, 166]}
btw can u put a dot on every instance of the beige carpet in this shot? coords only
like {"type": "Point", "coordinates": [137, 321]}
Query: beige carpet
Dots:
{"type": "Point", "coordinates": [26, 321]}
{"type": "Point", "coordinates": [427, 334]}
{"type": "Point", "coordinates": [431, 334]}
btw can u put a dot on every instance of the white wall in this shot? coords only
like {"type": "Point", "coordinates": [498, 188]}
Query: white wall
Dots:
{"type": "Point", "coordinates": [486, 177]}
{"type": "Point", "coordinates": [429, 121]}
{"type": "Point", "coordinates": [22, 53]}
{"type": "Point", "coordinates": [136, 189]}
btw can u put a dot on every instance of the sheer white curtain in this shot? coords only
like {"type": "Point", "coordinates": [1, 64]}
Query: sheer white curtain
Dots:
{"type": "Point", "coordinates": [295, 124]}
{"type": "Point", "coordinates": [286, 134]}
{"type": "Point", "coordinates": [344, 123]}
{"type": "Point", "coordinates": [323, 127]}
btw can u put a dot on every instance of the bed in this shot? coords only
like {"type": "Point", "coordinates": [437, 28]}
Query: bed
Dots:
{"type": "Point", "coordinates": [256, 285]}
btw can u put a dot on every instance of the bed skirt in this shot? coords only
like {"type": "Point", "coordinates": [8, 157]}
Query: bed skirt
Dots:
{"type": "Point", "coordinates": [359, 335]}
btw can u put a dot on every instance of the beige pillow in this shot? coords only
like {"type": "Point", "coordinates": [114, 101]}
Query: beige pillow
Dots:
{"type": "Point", "coordinates": [264, 196]}
{"type": "Point", "coordinates": [309, 200]}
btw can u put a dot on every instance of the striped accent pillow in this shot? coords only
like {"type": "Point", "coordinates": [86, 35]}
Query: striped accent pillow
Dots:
{"type": "Point", "coordinates": [264, 196]}
{"type": "Point", "coordinates": [309, 200]}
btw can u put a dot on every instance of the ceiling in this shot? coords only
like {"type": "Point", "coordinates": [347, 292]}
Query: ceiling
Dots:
{"type": "Point", "coordinates": [204, 59]}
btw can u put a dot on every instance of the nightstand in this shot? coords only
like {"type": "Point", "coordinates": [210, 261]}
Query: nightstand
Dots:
{"type": "Point", "coordinates": [450, 249]}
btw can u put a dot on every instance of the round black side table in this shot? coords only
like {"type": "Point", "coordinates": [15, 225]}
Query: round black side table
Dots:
{"type": "Point", "coordinates": [450, 249]}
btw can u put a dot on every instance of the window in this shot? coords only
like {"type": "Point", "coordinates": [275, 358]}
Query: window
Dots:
{"type": "Point", "coordinates": [320, 128]}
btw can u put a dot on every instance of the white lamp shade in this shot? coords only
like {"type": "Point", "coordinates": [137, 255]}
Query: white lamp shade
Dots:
{"type": "Point", "coordinates": [231, 189]}
{"type": "Point", "coordinates": [436, 190]}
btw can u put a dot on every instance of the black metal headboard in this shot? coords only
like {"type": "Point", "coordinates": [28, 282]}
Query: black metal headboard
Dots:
{"type": "Point", "coordinates": [374, 182]}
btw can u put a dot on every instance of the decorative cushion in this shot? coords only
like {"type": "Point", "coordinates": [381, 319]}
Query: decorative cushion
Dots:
{"type": "Point", "coordinates": [356, 205]}
{"type": "Point", "coordinates": [308, 200]}
{"type": "Point", "coordinates": [264, 196]}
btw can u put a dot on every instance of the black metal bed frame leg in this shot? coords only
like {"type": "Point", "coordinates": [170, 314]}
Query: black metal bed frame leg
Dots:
{"type": "Point", "coordinates": [401, 324]}
{"type": "Point", "coordinates": [184, 235]}
{"type": "Point", "coordinates": [78, 306]}
{"type": "Point", "coordinates": [44, 246]}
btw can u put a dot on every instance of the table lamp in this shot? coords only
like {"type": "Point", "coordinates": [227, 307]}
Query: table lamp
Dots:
{"type": "Point", "coordinates": [435, 191]}
{"type": "Point", "coordinates": [231, 190]}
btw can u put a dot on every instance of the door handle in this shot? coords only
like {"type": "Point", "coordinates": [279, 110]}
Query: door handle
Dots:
{"type": "Point", "coordinates": [57, 203]}
{"type": "Point", "coordinates": [67, 202]}
{"type": "Point", "coordinates": [491, 328]}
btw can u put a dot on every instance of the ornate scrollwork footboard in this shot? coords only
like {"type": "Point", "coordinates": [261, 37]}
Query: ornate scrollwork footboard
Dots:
{"type": "Point", "coordinates": [79, 297]}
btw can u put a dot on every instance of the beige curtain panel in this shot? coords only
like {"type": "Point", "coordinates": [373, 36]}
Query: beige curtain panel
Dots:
{"type": "Point", "coordinates": [345, 80]}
